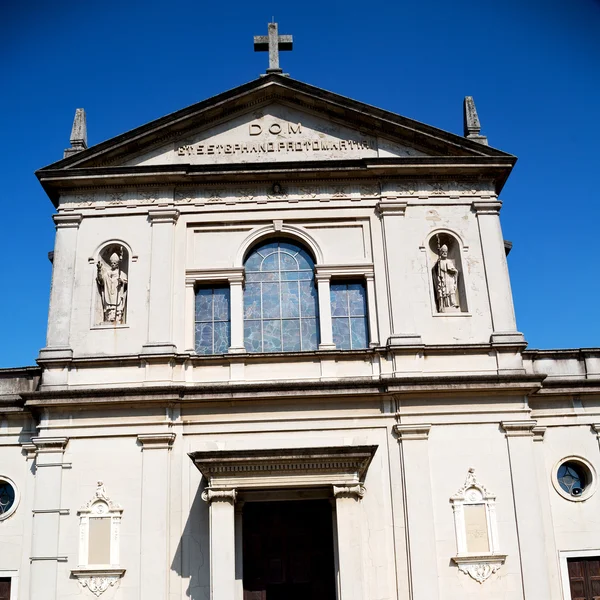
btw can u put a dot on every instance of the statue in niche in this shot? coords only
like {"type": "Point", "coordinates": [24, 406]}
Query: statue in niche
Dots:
{"type": "Point", "coordinates": [445, 279]}
{"type": "Point", "coordinates": [111, 280]}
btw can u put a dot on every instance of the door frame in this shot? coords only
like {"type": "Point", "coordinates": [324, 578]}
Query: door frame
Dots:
{"type": "Point", "coordinates": [14, 582]}
{"type": "Point", "coordinates": [563, 555]}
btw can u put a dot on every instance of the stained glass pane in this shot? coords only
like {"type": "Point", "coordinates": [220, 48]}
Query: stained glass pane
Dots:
{"type": "Point", "coordinates": [221, 304]}
{"type": "Point", "coordinates": [212, 320]}
{"type": "Point", "coordinates": [7, 496]}
{"type": "Point", "coordinates": [272, 335]}
{"type": "Point", "coordinates": [290, 300]}
{"type": "Point", "coordinates": [253, 336]}
{"type": "Point", "coordinates": [308, 299]}
{"type": "Point", "coordinates": [358, 327]}
{"type": "Point", "coordinates": [348, 312]}
{"type": "Point", "coordinates": [252, 301]}
{"type": "Point", "coordinates": [280, 299]}
{"type": "Point", "coordinates": [357, 300]}
{"type": "Point", "coordinates": [222, 336]}
{"type": "Point", "coordinates": [339, 300]}
{"type": "Point", "coordinates": [291, 335]}
{"type": "Point", "coordinates": [288, 262]}
{"type": "Point", "coordinates": [204, 304]}
{"type": "Point", "coordinates": [341, 333]}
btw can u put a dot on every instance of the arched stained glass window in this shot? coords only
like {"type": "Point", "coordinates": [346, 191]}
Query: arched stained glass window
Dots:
{"type": "Point", "coordinates": [280, 299]}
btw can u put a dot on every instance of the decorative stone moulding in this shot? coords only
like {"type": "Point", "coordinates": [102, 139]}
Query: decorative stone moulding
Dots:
{"type": "Point", "coordinates": [480, 567]}
{"type": "Point", "coordinates": [97, 578]}
{"type": "Point", "coordinates": [476, 530]}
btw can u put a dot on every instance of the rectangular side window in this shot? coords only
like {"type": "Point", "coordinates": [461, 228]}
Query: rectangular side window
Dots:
{"type": "Point", "coordinates": [349, 315]}
{"type": "Point", "coordinates": [212, 321]}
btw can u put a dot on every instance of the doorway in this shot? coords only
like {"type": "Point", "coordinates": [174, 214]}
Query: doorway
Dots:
{"type": "Point", "coordinates": [288, 550]}
{"type": "Point", "coordinates": [584, 577]}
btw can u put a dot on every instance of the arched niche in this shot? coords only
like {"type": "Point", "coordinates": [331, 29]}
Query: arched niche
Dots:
{"type": "Point", "coordinates": [447, 274]}
{"type": "Point", "coordinates": [111, 280]}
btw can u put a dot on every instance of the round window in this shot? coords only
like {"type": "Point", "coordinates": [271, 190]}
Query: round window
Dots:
{"type": "Point", "coordinates": [574, 478]}
{"type": "Point", "coordinates": [8, 498]}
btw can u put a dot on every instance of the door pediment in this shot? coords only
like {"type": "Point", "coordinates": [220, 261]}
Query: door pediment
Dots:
{"type": "Point", "coordinates": [342, 466]}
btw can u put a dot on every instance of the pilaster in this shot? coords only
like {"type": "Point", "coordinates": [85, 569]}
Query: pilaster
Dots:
{"type": "Point", "coordinates": [392, 212]}
{"type": "Point", "coordinates": [47, 513]}
{"type": "Point", "coordinates": [236, 292]}
{"type": "Point", "coordinates": [324, 293]}
{"type": "Point", "coordinates": [520, 436]}
{"type": "Point", "coordinates": [504, 324]}
{"type": "Point", "coordinates": [160, 309]}
{"type": "Point", "coordinates": [154, 559]}
{"type": "Point", "coordinates": [61, 290]}
{"type": "Point", "coordinates": [418, 497]}
{"type": "Point", "coordinates": [350, 540]}
{"type": "Point", "coordinates": [222, 543]}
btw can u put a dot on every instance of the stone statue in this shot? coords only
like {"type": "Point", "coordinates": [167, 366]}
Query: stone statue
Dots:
{"type": "Point", "coordinates": [445, 278]}
{"type": "Point", "coordinates": [112, 285]}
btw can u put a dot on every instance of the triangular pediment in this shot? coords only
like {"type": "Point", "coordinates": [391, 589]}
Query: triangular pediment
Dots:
{"type": "Point", "coordinates": [302, 122]}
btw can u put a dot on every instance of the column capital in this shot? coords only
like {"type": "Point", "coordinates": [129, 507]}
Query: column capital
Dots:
{"type": "Point", "coordinates": [538, 433]}
{"type": "Point", "coordinates": [596, 429]}
{"type": "Point", "coordinates": [66, 220]}
{"type": "Point", "coordinates": [50, 444]}
{"type": "Point", "coordinates": [166, 215]}
{"type": "Point", "coordinates": [349, 491]}
{"type": "Point", "coordinates": [392, 207]}
{"type": "Point", "coordinates": [519, 428]}
{"type": "Point", "coordinates": [29, 449]}
{"type": "Point", "coordinates": [209, 495]}
{"type": "Point", "coordinates": [156, 441]}
{"type": "Point", "coordinates": [412, 432]}
{"type": "Point", "coordinates": [487, 207]}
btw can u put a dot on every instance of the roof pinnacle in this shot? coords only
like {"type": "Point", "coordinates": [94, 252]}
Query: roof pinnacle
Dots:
{"type": "Point", "coordinates": [78, 137]}
{"type": "Point", "coordinates": [472, 126]}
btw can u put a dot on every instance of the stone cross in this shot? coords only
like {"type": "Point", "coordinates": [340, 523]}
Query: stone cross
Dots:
{"type": "Point", "coordinates": [273, 43]}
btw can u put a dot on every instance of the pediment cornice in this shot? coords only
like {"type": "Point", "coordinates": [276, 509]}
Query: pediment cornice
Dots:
{"type": "Point", "coordinates": [107, 158]}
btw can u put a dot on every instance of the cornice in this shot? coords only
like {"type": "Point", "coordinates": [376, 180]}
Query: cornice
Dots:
{"type": "Point", "coordinates": [244, 464]}
{"type": "Point", "coordinates": [509, 384]}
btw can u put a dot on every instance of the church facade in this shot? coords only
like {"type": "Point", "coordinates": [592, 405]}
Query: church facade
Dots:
{"type": "Point", "coordinates": [282, 361]}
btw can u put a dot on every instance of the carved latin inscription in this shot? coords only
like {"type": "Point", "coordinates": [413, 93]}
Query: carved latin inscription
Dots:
{"type": "Point", "coordinates": [277, 137]}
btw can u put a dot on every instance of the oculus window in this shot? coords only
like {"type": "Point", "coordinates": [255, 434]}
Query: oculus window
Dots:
{"type": "Point", "coordinates": [8, 497]}
{"type": "Point", "coordinates": [280, 298]}
{"type": "Point", "coordinates": [212, 320]}
{"type": "Point", "coordinates": [574, 478]}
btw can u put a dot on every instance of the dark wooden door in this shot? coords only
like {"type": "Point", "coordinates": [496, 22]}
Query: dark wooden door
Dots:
{"type": "Point", "coordinates": [4, 588]}
{"type": "Point", "coordinates": [288, 551]}
{"type": "Point", "coordinates": [584, 578]}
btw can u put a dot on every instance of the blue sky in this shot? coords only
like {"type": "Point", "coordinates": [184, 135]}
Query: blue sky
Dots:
{"type": "Point", "coordinates": [533, 68]}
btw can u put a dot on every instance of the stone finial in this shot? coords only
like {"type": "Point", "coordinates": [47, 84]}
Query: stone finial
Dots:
{"type": "Point", "coordinates": [78, 133]}
{"type": "Point", "coordinates": [472, 126]}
